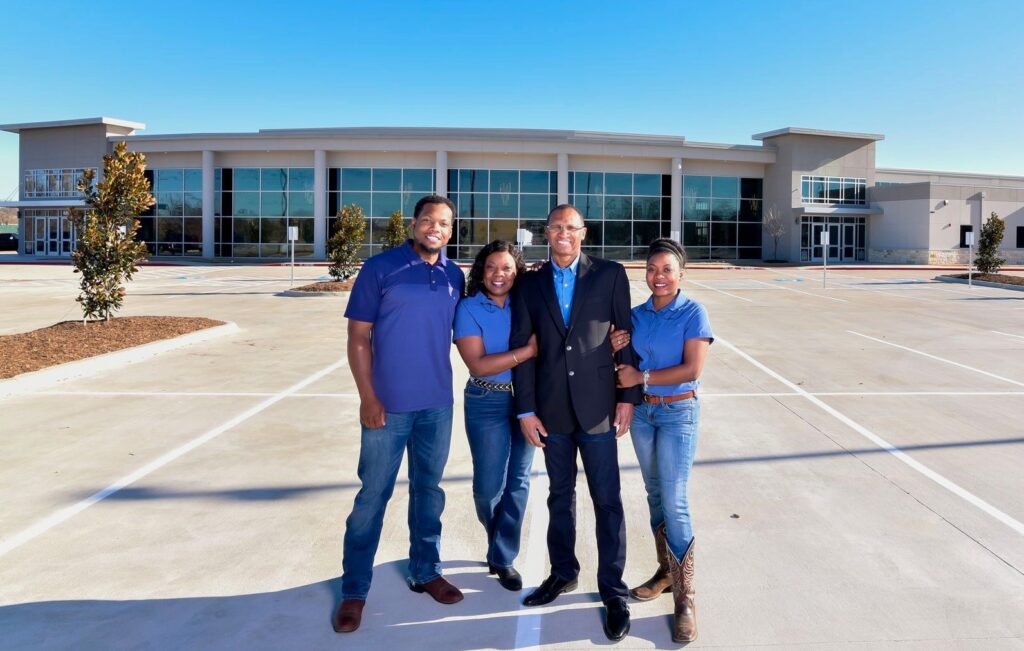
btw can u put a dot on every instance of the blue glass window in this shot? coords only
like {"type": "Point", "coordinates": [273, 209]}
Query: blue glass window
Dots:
{"type": "Point", "coordinates": [618, 183]}
{"type": "Point", "coordinates": [647, 184]}
{"type": "Point", "coordinates": [193, 180]}
{"type": "Point", "coordinates": [418, 180]}
{"type": "Point", "coordinates": [355, 178]}
{"type": "Point", "coordinates": [387, 179]}
{"type": "Point", "coordinates": [300, 179]}
{"type": "Point", "coordinates": [246, 178]}
{"type": "Point", "coordinates": [534, 181]}
{"type": "Point", "coordinates": [697, 186]}
{"type": "Point", "coordinates": [725, 187]}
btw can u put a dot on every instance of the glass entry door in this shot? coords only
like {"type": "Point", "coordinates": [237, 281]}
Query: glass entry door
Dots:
{"type": "Point", "coordinates": [834, 242]}
{"type": "Point", "coordinates": [54, 235]}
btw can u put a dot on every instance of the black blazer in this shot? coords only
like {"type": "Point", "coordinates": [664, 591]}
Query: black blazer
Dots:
{"type": "Point", "coordinates": [570, 385]}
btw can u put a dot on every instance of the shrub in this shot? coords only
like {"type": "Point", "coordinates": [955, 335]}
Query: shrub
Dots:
{"type": "Point", "coordinates": [395, 233]}
{"type": "Point", "coordinates": [988, 259]}
{"type": "Point", "coordinates": [343, 247]}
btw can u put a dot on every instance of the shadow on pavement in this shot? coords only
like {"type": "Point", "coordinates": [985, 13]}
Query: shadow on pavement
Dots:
{"type": "Point", "coordinates": [300, 618]}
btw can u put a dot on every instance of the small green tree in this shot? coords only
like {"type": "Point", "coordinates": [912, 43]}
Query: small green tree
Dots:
{"type": "Point", "coordinates": [988, 259]}
{"type": "Point", "coordinates": [395, 233]}
{"type": "Point", "coordinates": [343, 247]}
{"type": "Point", "coordinates": [107, 253]}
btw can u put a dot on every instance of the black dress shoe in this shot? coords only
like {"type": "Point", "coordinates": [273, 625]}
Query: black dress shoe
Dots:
{"type": "Point", "coordinates": [508, 577]}
{"type": "Point", "coordinates": [551, 588]}
{"type": "Point", "coordinates": [616, 621]}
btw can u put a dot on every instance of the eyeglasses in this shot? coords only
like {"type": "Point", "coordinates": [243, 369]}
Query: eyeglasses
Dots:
{"type": "Point", "coordinates": [562, 228]}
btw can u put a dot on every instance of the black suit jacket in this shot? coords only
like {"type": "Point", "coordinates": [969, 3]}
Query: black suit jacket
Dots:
{"type": "Point", "coordinates": [570, 384]}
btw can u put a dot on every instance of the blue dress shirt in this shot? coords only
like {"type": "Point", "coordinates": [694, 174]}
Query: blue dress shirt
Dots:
{"type": "Point", "coordinates": [659, 337]}
{"type": "Point", "coordinates": [565, 286]}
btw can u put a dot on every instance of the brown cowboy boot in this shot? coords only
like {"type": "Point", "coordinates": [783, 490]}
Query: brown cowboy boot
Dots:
{"type": "Point", "coordinates": [684, 621]}
{"type": "Point", "coordinates": [661, 582]}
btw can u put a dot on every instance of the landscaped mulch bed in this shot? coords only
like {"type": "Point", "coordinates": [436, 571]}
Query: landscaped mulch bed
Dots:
{"type": "Point", "coordinates": [993, 278]}
{"type": "Point", "coordinates": [328, 286]}
{"type": "Point", "coordinates": [69, 341]}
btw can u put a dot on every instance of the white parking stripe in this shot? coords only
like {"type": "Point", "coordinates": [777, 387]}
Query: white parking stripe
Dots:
{"type": "Point", "coordinates": [790, 289]}
{"type": "Point", "coordinates": [952, 487]}
{"type": "Point", "coordinates": [529, 622]}
{"type": "Point", "coordinates": [54, 519]}
{"type": "Point", "coordinates": [702, 285]}
{"type": "Point", "coordinates": [937, 358]}
{"type": "Point", "coordinates": [1007, 334]}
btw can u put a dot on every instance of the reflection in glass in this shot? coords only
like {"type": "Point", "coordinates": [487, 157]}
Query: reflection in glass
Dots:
{"type": "Point", "coordinates": [618, 183]}
{"type": "Point", "coordinates": [696, 209]}
{"type": "Point", "coordinates": [534, 206]}
{"type": "Point", "coordinates": [473, 181]}
{"type": "Point", "coordinates": [387, 179]}
{"type": "Point", "coordinates": [473, 231]}
{"type": "Point", "coordinates": [355, 178]}
{"type": "Point", "coordinates": [590, 206]}
{"type": "Point", "coordinates": [724, 209]}
{"type": "Point", "coordinates": [193, 231]}
{"type": "Point", "coordinates": [300, 179]}
{"type": "Point", "coordinates": [647, 184]}
{"type": "Point", "coordinates": [645, 232]}
{"type": "Point", "coordinates": [617, 232]}
{"type": "Point", "coordinates": [361, 199]}
{"type": "Point", "coordinates": [418, 180]}
{"type": "Point", "coordinates": [472, 204]}
{"type": "Point", "coordinates": [696, 186]}
{"type": "Point", "coordinates": [300, 204]}
{"type": "Point", "coordinates": [505, 181]}
{"type": "Point", "coordinates": [169, 180]}
{"type": "Point", "coordinates": [273, 204]}
{"type": "Point", "coordinates": [723, 234]}
{"type": "Point", "coordinates": [726, 187]}
{"type": "Point", "coordinates": [193, 180]}
{"type": "Point", "coordinates": [385, 203]}
{"type": "Point", "coordinates": [246, 178]}
{"type": "Point", "coordinates": [696, 234]}
{"type": "Point", "coordinates": [504, 205]}
{"type": "Point", "coordinates": [168, 230]}
{"type": "Point", "coordinates": [618, 207]}
{"type": "Point", "coordinates": [534, 181]}
{"type": "Point", "coordinates": [193, 204]}
{"type": "Point", "coordinates": [647, 208]}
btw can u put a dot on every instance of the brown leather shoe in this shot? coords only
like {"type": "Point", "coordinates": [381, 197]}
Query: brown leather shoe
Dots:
{"type": "Point", "coordinates": [439, 588]}
{"type": "Point", "coordinates": [348, 615]}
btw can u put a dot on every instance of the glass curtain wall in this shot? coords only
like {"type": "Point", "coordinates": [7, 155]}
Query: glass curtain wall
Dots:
{"type": "Point", "coordinates": [173, 226]}
{"type": "Point", "coordinates": [379, 191]}
{"type": "Point", "coordinates": [254, 207]}
{"type": "Point", "coordinates": [494, 204]}
{"type": "Point", "coordinates": [722, 217]}
{"type": "Point", "coordinates": [624, 212]}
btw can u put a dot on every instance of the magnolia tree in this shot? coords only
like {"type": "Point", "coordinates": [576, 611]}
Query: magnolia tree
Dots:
{"type": "Point", "coordinates": [107, 253]}
{"type": "Point", "coordinates": [343, 247]}
{"type": "Point", "coordinates": [988, 259]}
{"type": "Point", "coordinates": [395, 233]}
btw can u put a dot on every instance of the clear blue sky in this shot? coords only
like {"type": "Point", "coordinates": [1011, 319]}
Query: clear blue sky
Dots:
{"type": "Point", "coordinates": [944, 81]}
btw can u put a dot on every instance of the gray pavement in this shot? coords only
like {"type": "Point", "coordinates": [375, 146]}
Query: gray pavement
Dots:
{"type": "Point", "coordinates": [858, 484]}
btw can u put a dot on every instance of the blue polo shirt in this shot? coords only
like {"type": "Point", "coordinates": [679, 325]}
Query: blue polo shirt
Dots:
{"type": "Point", "coordinates": [659, 336]}
{"type": "Point", "coordinates": [411, 305]}
{"type": "Point", "coordinates": [479, 316]}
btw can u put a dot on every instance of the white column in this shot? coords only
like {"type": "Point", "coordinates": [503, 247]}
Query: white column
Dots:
{"type": "Point", "coordinates": [563, 178]}
{"type": "Point", "coordinates": [676, 201]}
{"type": "Point", "coordinates": [320, 204]}
{"type": "Point", "coordinates": [208, 198]}
{"type": "Point", "coordinates": [440, 174]}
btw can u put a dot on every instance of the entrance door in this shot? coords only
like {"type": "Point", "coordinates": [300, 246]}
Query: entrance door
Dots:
{"type": "Point", "coordinates": [40, 233]}
{"type": "Point", "coordinates": [817, 250]}
{"type": "Point", "coordinates": [849, 241]}
{"type": "Point", "coordinates": [53, 235]}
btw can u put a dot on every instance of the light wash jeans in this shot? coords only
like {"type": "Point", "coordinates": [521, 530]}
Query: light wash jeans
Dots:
{"type": "Point", "coordinates": [502, 459]}
{"type": "Point", "coordinates": [665, 440]}
{"type": "Point", "coordinates": [426, 434]}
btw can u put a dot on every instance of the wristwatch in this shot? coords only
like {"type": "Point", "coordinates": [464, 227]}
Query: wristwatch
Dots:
{"type": "Point", "coordinates": [647, 378]}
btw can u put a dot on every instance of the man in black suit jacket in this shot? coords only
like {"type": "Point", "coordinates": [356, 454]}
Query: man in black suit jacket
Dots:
{"type": "Point", "coordinates": [567, 400]}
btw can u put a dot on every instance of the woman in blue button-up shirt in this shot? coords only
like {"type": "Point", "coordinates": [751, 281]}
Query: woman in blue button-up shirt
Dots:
{"type": "Point", "coordinates": [671, 335]}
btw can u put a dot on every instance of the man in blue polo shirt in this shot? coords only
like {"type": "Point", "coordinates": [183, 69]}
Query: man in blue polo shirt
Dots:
{"type": "Point", "coordinates": [399, 340]}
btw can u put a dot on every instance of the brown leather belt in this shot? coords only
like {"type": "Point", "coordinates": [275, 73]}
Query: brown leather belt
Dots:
{"type": "Point", "coordinates": [661, 400]}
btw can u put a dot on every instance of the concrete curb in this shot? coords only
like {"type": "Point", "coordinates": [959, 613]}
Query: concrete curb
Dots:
{"type": "Point", "coordinates": [91, 366]}
{"type": "Point", "coordinates": [983, 283]}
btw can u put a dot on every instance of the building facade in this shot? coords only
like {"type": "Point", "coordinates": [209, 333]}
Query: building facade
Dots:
{"type": "Point", "coordinates": [232, 196]}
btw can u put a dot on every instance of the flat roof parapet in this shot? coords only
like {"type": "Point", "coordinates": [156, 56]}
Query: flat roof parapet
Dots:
{"type": "Point", "coordinates": [111, 122]}
{"type": "Point", "coordinates": [786, 131]}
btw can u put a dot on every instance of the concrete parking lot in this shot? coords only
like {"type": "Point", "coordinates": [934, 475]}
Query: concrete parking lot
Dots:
{"type": "Point", "coordinates": [858, 484]}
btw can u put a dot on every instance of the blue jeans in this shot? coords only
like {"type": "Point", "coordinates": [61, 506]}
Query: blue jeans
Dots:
{"type": "Point", "coordinates": [426, 434]}
{"type": "Point", "coordinates": [501, 470]}
{"type": "Point", "coordinates": [665, 440]}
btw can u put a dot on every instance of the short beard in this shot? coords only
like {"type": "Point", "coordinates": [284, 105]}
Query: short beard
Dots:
{"type": "Point", "coordinates": [427, 249]}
